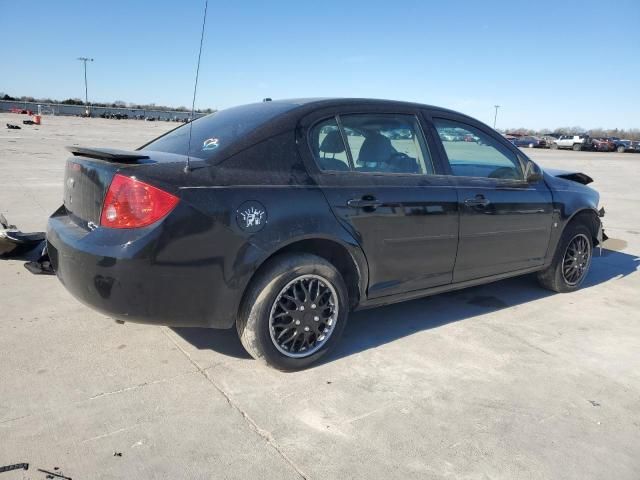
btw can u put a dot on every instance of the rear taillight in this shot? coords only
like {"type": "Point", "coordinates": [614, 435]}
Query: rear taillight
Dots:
{"type": "Point", "coordinates": [130, 203]}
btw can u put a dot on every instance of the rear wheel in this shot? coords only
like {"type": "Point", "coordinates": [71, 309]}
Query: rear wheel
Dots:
{"type": "Point", "coordinates": [294, 311]}
{"type": "Point", "coordinates": [531, 145]}
{"type": "Point", "coordinates": [571, 261]}
{"type": "Point", "coordinates": [621, 149]}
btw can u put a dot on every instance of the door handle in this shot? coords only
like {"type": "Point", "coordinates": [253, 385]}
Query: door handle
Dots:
{"type": "Point", "coordinates": [477, 201]}
{"type": "Point", "coordinates": [364, 202]}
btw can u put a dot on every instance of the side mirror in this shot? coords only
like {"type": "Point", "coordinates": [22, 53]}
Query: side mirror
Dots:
{"type": "Point", "coordinates": [532, 172]}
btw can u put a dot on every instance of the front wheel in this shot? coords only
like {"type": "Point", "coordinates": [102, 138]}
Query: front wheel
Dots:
{"type": "Point", "coordinates": [554, 146]}
{"type": "Point", "coordinates": [571, 261]}
{"type": "Point", "coordinates": [621, 149]}
{"type": "Point", "coordinates": [294, 312]}
{"type": "Point", "coordinates": [577, 147]}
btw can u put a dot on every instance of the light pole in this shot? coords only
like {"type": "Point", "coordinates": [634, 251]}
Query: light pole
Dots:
{"type": "Point", "coordinates": [84, 60]}
{"type": "Point", "coordinates": [495, 116]}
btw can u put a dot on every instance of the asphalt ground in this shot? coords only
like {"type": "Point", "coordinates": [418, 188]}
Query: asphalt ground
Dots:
{"type": "Point", "coordinates": [502, 381]}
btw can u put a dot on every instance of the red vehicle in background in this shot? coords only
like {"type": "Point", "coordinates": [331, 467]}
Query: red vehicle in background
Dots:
{"type": "Point", "coordinates": [603, 145]}
{"type": "Point", "coordinates": [21, 110]}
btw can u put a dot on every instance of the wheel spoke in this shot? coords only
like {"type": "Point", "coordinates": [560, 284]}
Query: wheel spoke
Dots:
{"type": "Point", "coordinates": [305, 291]}
{"type": "Point", "coordinates": [289, 338]}
{"type": "Point", "coordinates": [291, 299]}
{"type": "Point", "coordinates": [282, 332]}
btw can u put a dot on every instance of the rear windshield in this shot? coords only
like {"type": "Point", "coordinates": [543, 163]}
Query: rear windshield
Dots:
{"type": "Point", "coordinates": [218, 130]}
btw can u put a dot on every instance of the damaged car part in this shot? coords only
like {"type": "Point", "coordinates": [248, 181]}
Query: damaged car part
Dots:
{"type": "Point", "coordinates": [13, 242]}
{"type": "Point", "coordinates": [17, 466]}
{"type": "Point", "coordinates": [32, 247]}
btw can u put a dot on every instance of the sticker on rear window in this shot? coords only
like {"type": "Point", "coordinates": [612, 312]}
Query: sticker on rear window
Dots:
{"type": "Point", "coordinates": [210, 144]}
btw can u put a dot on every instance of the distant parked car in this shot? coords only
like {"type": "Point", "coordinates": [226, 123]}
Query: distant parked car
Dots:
{"type": "Point", "coordinates": [603, 145]}
{"type": "Point", "coordinates": [574, 142]}
{"type": "Point", "coordinates": [625, 146]}
{"type": "Point", "coordinates": [530, 142]}
{"type": "Point", "coordinates": [550, 139]}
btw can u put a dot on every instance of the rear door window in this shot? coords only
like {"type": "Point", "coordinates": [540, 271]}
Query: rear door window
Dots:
{"type": "Point", "coordinates": [328, 145]}
{"type": "Point", "coordinates": [386, 143]}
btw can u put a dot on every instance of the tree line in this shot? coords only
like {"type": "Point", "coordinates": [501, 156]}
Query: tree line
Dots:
{"type": "Point", "coordinates": [116, 104]}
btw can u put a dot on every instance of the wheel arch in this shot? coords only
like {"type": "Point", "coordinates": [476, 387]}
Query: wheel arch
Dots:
{"type": "Point", "coordinates": [346, 258]}
{"type": "Point", "coordinates": [589, 217]}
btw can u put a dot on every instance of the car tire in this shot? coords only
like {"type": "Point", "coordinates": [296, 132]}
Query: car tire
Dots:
{"type": "Point", "coordinates": [577, 147]}
{"type": "Point", "coordinates": [554, 146]}
{"type": "Point", "coordinates": [561, 276]}
{"type": "Point", "coordinates": [273, 306]}
{"type": "Point", "coordinates": [531, 145]}
{"type": "Point", "coordinates": [620, 149]}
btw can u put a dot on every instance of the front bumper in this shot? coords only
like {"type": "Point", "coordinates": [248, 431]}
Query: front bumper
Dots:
{"type": "Point", "coordinates": [129, 275]}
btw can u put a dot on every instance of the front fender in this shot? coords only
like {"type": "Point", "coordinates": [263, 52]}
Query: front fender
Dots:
{"type": "Point", "coordinates": [569, 199]}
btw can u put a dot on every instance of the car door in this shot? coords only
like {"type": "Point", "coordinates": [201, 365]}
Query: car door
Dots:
{"type": "Point", "coordinates": [378, 175]}
{"type": "Point", "coordinates": [505, 222]}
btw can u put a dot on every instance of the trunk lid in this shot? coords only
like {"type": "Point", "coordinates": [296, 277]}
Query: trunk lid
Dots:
{"type": "Point", "coordinates": [85, 185]}
{"type": "Point", "coordinates": [88, 175]}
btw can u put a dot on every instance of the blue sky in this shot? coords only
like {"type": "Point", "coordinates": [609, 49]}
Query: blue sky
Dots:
{"type": "Point", "coordinates": [547, 63]}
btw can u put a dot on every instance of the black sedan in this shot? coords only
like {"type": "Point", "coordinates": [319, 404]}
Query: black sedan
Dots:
{"type": "Point", "coordinates": [279, 218]}
{"type": "Point", "coordinates": [530, 142]}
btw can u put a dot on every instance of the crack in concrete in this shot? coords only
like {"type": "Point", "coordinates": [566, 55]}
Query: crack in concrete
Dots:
{"type": "Point", "coordinates": [507, 333]}
{"type": "Point", "coordinates": [95, 397]}
{"type": "Point", "coordinates": [9, 420]}
{"type": "Point", "coordinates": [115, 432]}
{"type": "Point", "coordinates": [140, 385]}
{"type": "Point", "coordinates": [264, 434]}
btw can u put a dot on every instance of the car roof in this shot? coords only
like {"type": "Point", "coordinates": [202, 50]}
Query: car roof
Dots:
{"type": "Point", "coordinates": [329, 102]}
{"type": "Point", "coordinates": [287, 113]}
{"type": "Point", "coordinates": [293, 110]}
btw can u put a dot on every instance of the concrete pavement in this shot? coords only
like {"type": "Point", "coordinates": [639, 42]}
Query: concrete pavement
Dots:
{"type": "Point", "coordinates": [501, 381]}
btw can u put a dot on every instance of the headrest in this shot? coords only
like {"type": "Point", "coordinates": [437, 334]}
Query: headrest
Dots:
{"type": "Point", "coordinates": [332, 143]}
{"type": "Point", "coordinates": [376, 148]}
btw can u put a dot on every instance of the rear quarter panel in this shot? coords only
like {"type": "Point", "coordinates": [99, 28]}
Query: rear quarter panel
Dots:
{"type": "Point", "coordinates": [271, 176]}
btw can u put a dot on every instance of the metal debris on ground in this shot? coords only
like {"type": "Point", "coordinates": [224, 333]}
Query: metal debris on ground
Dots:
{"type": "Point", "coordinates": [11, 126]}
{"type": "Point", "coordinates": [14, 243]}
{"type": "Point", "coordinates": [41, 266]}
{"type": "Point", "coordinates": [17, 466]}
{"type": "Point", "coordinates": [32, 247]}
{"type": "Point", "coordinates": [54, 475]}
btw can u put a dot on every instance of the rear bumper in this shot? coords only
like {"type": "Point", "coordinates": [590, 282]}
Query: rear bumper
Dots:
{"type": "Point", "coordinates": [140, 275]}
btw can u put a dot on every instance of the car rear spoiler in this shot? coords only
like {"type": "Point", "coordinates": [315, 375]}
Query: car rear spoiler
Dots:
{"type": "Point", "coordinates": [108, 154]}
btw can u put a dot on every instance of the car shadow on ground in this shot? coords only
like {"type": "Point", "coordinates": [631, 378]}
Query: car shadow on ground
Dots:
{"type": "Point", "coordinates": [374, 327]}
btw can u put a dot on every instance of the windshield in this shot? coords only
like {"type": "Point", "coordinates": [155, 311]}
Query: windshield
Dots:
{"type": "Point", "coordinates": [218, 130]}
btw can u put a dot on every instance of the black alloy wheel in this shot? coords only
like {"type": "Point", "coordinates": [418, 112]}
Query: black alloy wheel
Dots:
{"type": "Point", "coordinates": [303, 316]}
{"type": "Point", "coordinates": [576, 260]}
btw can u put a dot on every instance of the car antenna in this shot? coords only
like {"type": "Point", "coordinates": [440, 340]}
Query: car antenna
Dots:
{"type": "Point", "coordinates": [187, 167]}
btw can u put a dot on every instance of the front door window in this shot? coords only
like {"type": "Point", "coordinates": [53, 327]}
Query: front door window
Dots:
{"type": "Point", "coordinates": [472, 153]}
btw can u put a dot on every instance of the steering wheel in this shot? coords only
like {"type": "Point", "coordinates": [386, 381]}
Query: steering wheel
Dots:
{"type": "Point", "coordinates": [391, 164]}
{"type": "Point", "coordinates": [508, 173]}
{"type": "Point", "coordinates": [397, 155]}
